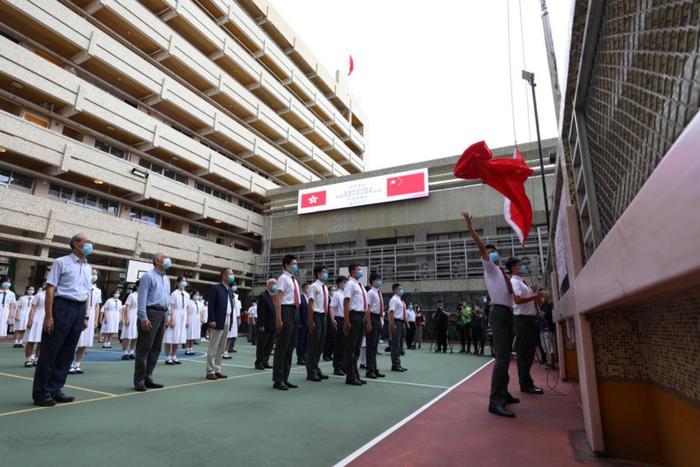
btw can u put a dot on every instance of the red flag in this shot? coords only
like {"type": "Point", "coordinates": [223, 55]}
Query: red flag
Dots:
{"type": "Point", "coordinates": [405, 184]}
{"type": "Point", "coordinates": [351, 68]}
{"type": "Point", "coordinates": [312, 200]}
{"type": "Point", "coordinates": [507, 176]}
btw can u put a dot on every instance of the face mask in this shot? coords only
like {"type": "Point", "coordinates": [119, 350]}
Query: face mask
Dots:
{"type": "Point", "coordinates": [234, 288]}
{"type": "Point", "coordinates": [494, 257]}
{"type": "Point", "coordinates": [30, 292]}
{"type": "Point", "coordinates": [6, 285]}
{"type": "Point", "coordinates": [294, 268]}
{"type": "Point", "coordinates": [167, 263]}
{"type": "Point", "coordinates": [231, 278]}
{"type": "Point", "coordinates": [183, 285]}
{"type": "Point", "coordinates": [379, 283]}
{"type": "Point", "coordinates": [342, 286]}
{"type": "Point", "coordinates": [273, 289]}
{"type": "Point", "coordinates": [400, 292]}
{"type": "Point", "coordinates": [116, 295]}
{"type": "Point", "coordinates": [196, 299]}
{"type": "Point", "coordinates": [87, 249]}
{"type": "Point", "coordinates": [93, 279]}
{"type": "Point", "coordinates": [360, 274]}
{"type": "Point", "coordinates": [324, 276]}
{"type": "Point", "coordinates": [523, 269]}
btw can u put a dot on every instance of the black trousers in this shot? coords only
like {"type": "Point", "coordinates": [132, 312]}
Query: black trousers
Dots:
{"type": "Point", "coordinates": [339, 344]}
{"type": "Point", "coordinates": [58, 348]}
{"type": "Point", "coordinates": [478, 336]}
{"type": "Point", "coordinates": [263, 348]}
{"type": "Point", "coordinates": [203, 333]}
{"type": "Point", "coordinates": [396, 343]}
{"type": "Point", "coordinates": [527, 335]}
{"type": "Point", "coordinates": [372, 343]}
{"type": "Point", "coordinates": [501, 321]}
{"type": "Point", "coordinates": [286, 341]}
{"type": "Point", "coordinates": [148, 346]}
{"type": "Point", "coordinates": [353, 341]}
{"type": "Point", "coordinates": [231, 343]}
{"type": "Point", "coordinates": [410, 333]}
{"type": "Point", "coordinates": [314, 346]}
{"type": "Point", "coordinates": [302, 336]}
{"type": "Point", "coordinates": [441, 331]}
{"type": "Point", "coordinates": [330, 340]}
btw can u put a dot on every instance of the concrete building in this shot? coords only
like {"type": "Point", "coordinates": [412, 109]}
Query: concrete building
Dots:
{"type": "Point", "coordinates": [625, 252]}
{"type": "Point", "coordinates": [158, 126]}
{"type": "Point", "coordinates": [422, 243]}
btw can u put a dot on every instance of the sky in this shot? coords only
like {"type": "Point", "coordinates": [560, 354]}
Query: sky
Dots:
{"type": "Point", "coordinates": [432, 77]}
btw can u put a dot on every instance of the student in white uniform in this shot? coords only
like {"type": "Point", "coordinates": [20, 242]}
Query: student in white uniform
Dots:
{"type": "Point", "coordinates": [203, 314]}
{"type": "Point", "coordinates": [35, 324]}
{"type": "Point", "coordinates": [8, 301]}
{"type": "Point", "coordinates": [375, 302]}
{"type": "Point", "coordinates": [252, 327]}
{"type": "Point", "coordinates": [397, 323]}
{"type": "Point", "coordinates": [88, 335]}
{"type": "Point", "coordinates": [194, 323]}
{"type": "Point", "coordinates": [355, 325]}
{"type": "Point", "coordinates": [129, 331]}
{"type": "Point", "coordinates": [111, 312]}
{"type": "Point", "coordinates": [235, 322]}
{"type": "Point", "coordinates": [337, 320]}
{"type": "Point", "coordinates": [176, 322]}
{"type": "Point", "coordinates": [21, 315]}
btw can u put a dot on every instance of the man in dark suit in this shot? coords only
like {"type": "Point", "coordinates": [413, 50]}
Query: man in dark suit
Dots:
{"type": "Point", "coordinates": [266, 326]}
{"type": "Point", "coordinates": [221, 305]}
{"type": "Point", "coordinates": [303, 324]}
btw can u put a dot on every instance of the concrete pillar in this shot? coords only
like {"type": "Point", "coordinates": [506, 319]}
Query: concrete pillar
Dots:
{"type": "Point", "coordinates": [24, 269]}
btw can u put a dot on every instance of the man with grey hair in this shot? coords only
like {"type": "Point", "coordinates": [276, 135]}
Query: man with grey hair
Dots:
{"type": "Point", "coordinates": [153, 301]}
{"type": "Point", "coordinates": [66, 305]}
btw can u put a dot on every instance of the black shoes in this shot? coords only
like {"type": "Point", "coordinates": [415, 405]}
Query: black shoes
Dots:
{"type": "Point", "coordinates": [220, 375]}
{"type": "Point", "coordinates": [353, 382]}
{"type": "Point", "coordinates": [152, 385]}
{"type": "Point", "coordinates": [140, 387]}
{"type": "Point", "coordinates": [363, 366]}
{"type": "Point", "coordinates": [380, 375]}
{"type": "Point", "coordinates": [315, 378]}
{"type": "Point", "coordinates": [212, 376]}
{"type": "Point", "coordinates": [62, 398]}
{"type": "Point", "coordinates": [321, 375]}
{"type": "Point", "coordinates": [290, 385]}
{"type": "Point", "coordinates": [267, 366]}
{"type": "Point", "coordinates": [501, 411]}
{"type": "Point", "coordinates": [125, 357]}
{"type": "Point", "coordinates": [398, 368]}
{"type": "Point", "coordinates": [259, 366]}
{"type": "Point", "coordinates": [362, 381]}
{"type": "Point", "coordinates": [370, 375]}
{"type": "Point", "coordinates": [132, 357]}
{"type": "Point", "coordinates": [533, 390]}
{"type": "Point", "coordinates": [280, 386]}
{"type": "Point", "coordinates": [301, 362]}
{"type": "Point", "coordinates": [48, 402]}
{"type": "Point", "coordinates": [339, 372]}
{"type": "Point", "coordinates": [512, 400]}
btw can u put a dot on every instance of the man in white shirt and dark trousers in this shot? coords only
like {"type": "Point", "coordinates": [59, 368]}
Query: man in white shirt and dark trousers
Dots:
{"type": "Point", "coordinates": [318, 308]}
{"type": "Point", "coordinates": [397, 324]}
{"type": "Point", "coordinates": [376, 308]}
{"type": "Point", "coordinates": [501, 322]}
{"type": "Point", "coordinates": [287, 301]}
{"type": "Point", "coordinates": [525, 319]}
{"type": "Point", "coordinates": [356, 323]}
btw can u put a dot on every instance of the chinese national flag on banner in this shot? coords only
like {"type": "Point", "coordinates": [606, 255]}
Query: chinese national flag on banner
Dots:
{"type": "Point", "coordinates": [312, 200]}
{"type": "Point", "coordinates": [405, 184]}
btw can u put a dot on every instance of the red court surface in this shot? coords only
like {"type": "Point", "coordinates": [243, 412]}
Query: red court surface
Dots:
{"type": "Point", "coordinates": [457, 430]}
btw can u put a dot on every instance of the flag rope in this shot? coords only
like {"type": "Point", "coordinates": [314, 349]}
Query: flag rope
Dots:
{"type": "Point", "coordinates": [510, 74]}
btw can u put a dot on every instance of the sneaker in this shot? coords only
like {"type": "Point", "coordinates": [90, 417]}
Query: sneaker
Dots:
{"type": "Point", "coordinates": [71, 370]}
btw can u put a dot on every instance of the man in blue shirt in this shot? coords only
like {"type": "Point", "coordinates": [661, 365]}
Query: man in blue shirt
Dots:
{"type": "Point", "coordinates": [68, 286]}
{"type": "Point", "coordinates": [154, 299]}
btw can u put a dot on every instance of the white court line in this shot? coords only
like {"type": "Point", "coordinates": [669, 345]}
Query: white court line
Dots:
{"type": "Point", "coordinates": [401, 423]}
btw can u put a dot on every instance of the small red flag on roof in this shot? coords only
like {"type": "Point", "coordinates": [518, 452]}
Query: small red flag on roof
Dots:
{"type": "Point", "coordinates": [351, 68]}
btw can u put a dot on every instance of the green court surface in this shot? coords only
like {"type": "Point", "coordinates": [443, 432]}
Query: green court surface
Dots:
{"type": "Point", "coordinates": [237, 421]}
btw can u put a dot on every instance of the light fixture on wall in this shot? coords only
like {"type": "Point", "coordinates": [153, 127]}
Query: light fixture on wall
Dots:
{"type": "Point", "coordinates": [217, 221]}
{"type": "Point", "coordinates": [167, 205]}
{"type": "Point", "coordinates": [139, 172]}
{"type": "Point", "coordinates": [98, 182]}
{"type": "Point", "coordinates": [2, 149]}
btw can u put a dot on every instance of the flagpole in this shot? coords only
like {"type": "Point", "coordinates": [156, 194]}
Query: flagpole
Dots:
{"type": "Point", "coordinates": [530, 78]}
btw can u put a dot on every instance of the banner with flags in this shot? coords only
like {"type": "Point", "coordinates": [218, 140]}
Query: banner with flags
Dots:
{"type": "Point", "coordinates": [373, 190]}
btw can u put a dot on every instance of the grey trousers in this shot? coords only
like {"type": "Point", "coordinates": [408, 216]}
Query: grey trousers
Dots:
{"type": "Point", "coordinates": [338, 344]}
{"type": "Point", "coordinates": [501, 321]}
{"type": "Point", "coordinates": [286, 342]}
{"type": "Point", "coordinates": [217, 347]}
{"type": "Point", "coordinates": [396, 343]}
{"type": "Point", "coordinates": [314, 344]}
{"type": "Point", "coordinates": [353, 341]}
{"type": "Point", "coordinates": [148, 346]}
{"type": "Point", "coordinates": [526, 336]}
{"type": "Point", "coordinates": [263, 349]}
{"type": "Point", "coordinates": [372, 343]}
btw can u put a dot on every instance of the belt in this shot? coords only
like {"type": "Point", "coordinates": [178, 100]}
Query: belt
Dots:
{"type": "Point", "coordinates": [399, 320]}
{"type": "Point", "coordinates": [156, 308]}
{"type": "Point", "coordinates": [358, 311]}
{"type": "Point", "coordinates": [290, 306]}
{"type": "Point", "coordinates": [70, 300]}
{"type": "Point", "coordinates": [502, 306]}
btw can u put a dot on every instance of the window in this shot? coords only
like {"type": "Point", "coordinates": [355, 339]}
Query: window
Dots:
{"type": "Point", "coordinates": [109, 149]}
{"type": "Point", "coordinates": [35, 119]}
{"type": "Point", "coordinates": [80, 198]}
{"type": "Point", "coordinates": [155, 168]}
{"type": "Point", "coordinates": [291, 249]}
{"type": "Point", "coordinates": [212, 191]}
{"type": "Point", "coordinates": [15, 179]}
{"type": "Point", "coordinates": [198, 231]}
{"type": "Point", "coordinates": [139, 215]}
{"type": "Point", "coordinates": [334, 246]}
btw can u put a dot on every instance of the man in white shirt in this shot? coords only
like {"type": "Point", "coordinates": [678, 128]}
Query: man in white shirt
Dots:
{"type": "Point", "coordinates": [356, 322]}
{"type": "Point", "coordinates": [337, 320]}
{"type": "Point", "coordinates": [252, 329]}
{"type": "Point", "coordinates": [376, 308]}
{"type": "Point", "coordinates": [397, 323]}
{"type": "Point", "coordinates": [526, 331]}
{"type": "Point", "coordinates": [318, 309]}
{"type": "Point", "coordinates": [287, 301]}
{"type": "Point", "coordinates": [501, 322]}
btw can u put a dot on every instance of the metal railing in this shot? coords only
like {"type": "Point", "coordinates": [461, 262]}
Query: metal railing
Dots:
{"type": "Point", "coordinates": [417, 261]}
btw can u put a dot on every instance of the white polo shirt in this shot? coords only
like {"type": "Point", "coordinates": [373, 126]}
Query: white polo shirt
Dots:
{"type": "Point", "coordinates": [357, 295]}
{"type": "Point", "coordinates": [253, 311]}
{"type": "Point", "coordinates": [496, 285]}
{"type": "Point", "coordinates": [396, 305]}
{"type": "Point", "coordinates": [337, 304]}
{"type": "Point", "coordinates": [375, 301]}
{"type": "Point", "coordinates": [521, 289]}
{"type": "Point", "coordinates": [288, 284]}
{"type": "Point", "coordinates": [318, 292]}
